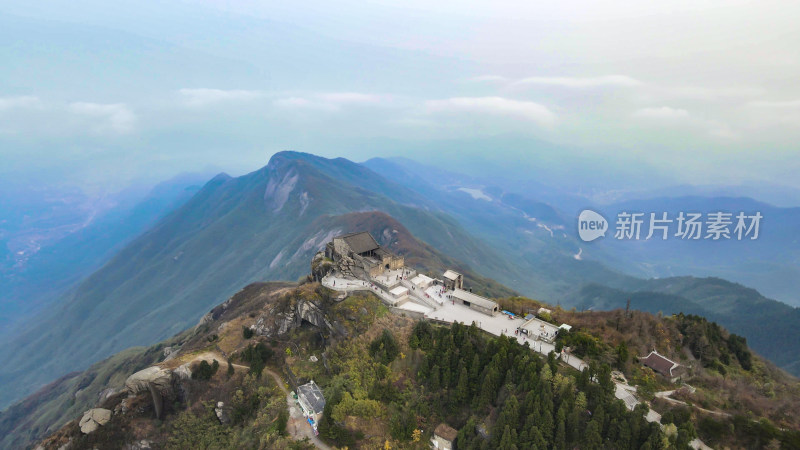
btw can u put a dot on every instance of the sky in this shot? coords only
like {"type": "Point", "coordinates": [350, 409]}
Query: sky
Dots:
{"type": "Point", "coordinates": [610, 95]}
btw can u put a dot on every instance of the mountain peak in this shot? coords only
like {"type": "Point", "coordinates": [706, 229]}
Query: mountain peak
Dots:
{"type": "Point", "coordinates": [222, 176]}
{"type": "Point", "coordinates": [288, 156]}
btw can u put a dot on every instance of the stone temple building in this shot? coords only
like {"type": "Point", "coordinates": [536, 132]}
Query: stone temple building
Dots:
{"type": "Point", "coordinates": [357, 252]}
{"type": "Point", "coordinates": [453, 280]}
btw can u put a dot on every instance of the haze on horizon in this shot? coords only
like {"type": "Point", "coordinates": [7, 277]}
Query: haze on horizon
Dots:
{"type": "Point", "coordinates": [618, 95]}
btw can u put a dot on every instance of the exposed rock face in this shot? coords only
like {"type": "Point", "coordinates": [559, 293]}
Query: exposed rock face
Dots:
{"type": "Point", "coordinates": [138, 445]}
{"type": "Point", "coordinates": [170, 352]}
{"type": "Point", "coordinates": [183, 372]}
{"type": "Point", "coordinates": [279, 187]}
{"type": "Point", "coordinates": [158, 400]}
{"type": "Point", "coordinates": [94, 418]}
{"type": "Point", "coordinates": [222, 414]}
{"type": "Point", "coordinates": [349, 267]}
{"type": "Point", "coordinates": [207, 318]}
{"type": "Point", "coordinates": [160, 378]}
{"type": "Point", "coordinates": [320, 266]}
{"type": "Point", "coordinates": [277, 322]}
{"type": "Point", "coordinates": [311, 313]}
{"type": "Point", "coordinates": [105, 394]}
{"type": "Point", "coordinates": [122, 407]}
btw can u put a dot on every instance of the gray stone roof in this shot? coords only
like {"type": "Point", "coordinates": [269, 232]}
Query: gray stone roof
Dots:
{"type": "Point", "coordinates": [451, 274]}
{"type": "Point", "coordinates": [446, 431]}
{"type": "Point", "coordinates": [474, 299]}
{"type": "Point", "coordinates": [312, 395]}
{"type": "Point", "coordinates": [660, 363]}
{"type": "Point", "coordinates": [360, 242]}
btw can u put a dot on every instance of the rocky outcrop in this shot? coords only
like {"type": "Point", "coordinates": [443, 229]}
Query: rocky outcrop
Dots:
{"type": "Point", "coordinates": [280, 319]}
{"type": "Point", "coordinates": [138, 445]}
{"type": "Point", "coordinates": [122, 407]}
{"type": "Point", "coordinates": [215, 313]}
{"type": "Point", "coordinates": [170, 352]}
{"type": "Point", "coordinates": [222, 413]}
{"type": "Point", "coordinates": [207, 318]}
{"type": "Point", "coordinates": [349, 267]}
{"type": "Point", "coordinates": [93, 419]}
{"type": "Point", "coordinates": [308, 311]}
{"type": "Point", "coordinates": [183, 371]}
{"type": "Point", "coordinates": [320, 267]}
{"type": "Point", "coordinates": [105, 394]}
{"type": "Point", "coordinates": [140, 381]}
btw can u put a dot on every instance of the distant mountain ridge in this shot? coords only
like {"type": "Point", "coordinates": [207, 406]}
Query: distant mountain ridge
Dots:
{"type": "Point", "coordinates": [54, 267]}
{"type": "Point", "coordinates": [770, 263]}
{"type": "Point", "coordinates": [265, 225]}
{"type": "Point", "coordinates": [559, 268]}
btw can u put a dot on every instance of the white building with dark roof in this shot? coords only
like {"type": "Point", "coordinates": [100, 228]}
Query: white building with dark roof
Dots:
{"type": "Point", "coordinates": [443, 437]}
{"type": "Point", "coordinates": [311, 400]}
{"type": "Point", "coordinates": [663, 365]}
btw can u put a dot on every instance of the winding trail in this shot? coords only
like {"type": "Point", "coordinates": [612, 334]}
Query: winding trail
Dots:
{"type": "Point", "coordinates": [665, 395]}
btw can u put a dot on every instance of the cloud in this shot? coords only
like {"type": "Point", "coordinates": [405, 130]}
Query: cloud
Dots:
{"type": "Point", "coordinates": [707, 93]}
{"type": "Point", "coordinates": [24, 101]}
{"type": "Point", "coordinates": [205, 96]}
{"type": "Point", "coordinates": [304, 103]}
{"type": "Point", "coordinates": [488, 79]}
{"type": "Point", "coordinates": [497, 106]}
{"type": "Point", "coordinates": [779, 104]}
{"type": "Point", "coordinates": [351, 98]}
{"type": "Point", "coordinates": [331, 101]}
{"type": "Point", "coordinates": [674, 116]}
{"type": "Point", "coordinates": [663, 112]}
{"type": "Point", "coordinates": [721, 130]}
{"type": "Point", "coordinates": [116, 117]}
{"type": "Point", "coordinates": [581, 82]}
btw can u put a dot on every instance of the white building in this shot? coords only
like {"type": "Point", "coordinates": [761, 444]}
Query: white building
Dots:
{"type": "Point", "coordinates": [399, 292]}
{"type": "Point", "coordinates": [422, 281]}
{"type": "Point", "coordinates": [311, 400]}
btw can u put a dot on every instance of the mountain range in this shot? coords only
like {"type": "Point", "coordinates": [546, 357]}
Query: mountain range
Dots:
{"type": "Point", "coordinates": [267, 224]}
{"type": "Point", "coordinates": [669, 276]}
{"type": "Point", "coordinates": [53, 238]}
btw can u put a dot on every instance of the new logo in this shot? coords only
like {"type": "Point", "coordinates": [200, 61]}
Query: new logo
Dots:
{"type": "Point", "coordinates": [591, 225]}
